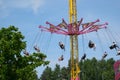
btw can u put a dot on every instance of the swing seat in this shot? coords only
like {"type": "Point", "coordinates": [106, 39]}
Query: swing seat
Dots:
{"type": "Point", "coordinates": [91, 45]}
{"type": "Point", "coordinates": [118, 52]}
{"type": "Point", "coordinates": [104, 55]}
{"type": "Point", "coordinates": [112, 47]}
{"type": "Point", "coordinates": [62, 46]}
{"type": "Point", "coordinates": [36, 48]}
{"type": "Point", "coordinates": [60, 59]}
{"type": "Point", "coordinates": [26, 53]}
{"type": "Point", "coordinates": [83, 57]}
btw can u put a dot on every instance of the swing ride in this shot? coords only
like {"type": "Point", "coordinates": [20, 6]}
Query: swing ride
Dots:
{"type": "Point", "coordinates": [73, 29]}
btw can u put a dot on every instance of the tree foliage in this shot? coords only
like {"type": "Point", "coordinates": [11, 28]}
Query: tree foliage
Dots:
{"type": "Point", "coordinates": [91, 69]}
{"type": "Point", "coordinates": [14, 65]}
{"type": "Point", "coordinates": [47, 74]}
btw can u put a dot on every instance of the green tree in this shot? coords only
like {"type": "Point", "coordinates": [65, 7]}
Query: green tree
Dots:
{"type": "Point", "coordinates": [97, 69]}
{"type": "Point", "coordinates": [47, 74]}
{"type": "Point", "coordinates": [14, 65]}
{"type": "Point", "coordinates": [65, 74]}
{"type": "Point", "coordinates": [57, 73]}
{"type": "Point", "coordinates": [91, 69]}
{"type": "Point", "coordinates": [108, 72]}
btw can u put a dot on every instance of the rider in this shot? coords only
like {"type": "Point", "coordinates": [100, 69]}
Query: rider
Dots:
{"type": "Point", "coordinates": [61, 58]}
{"type": "Point", "coordinates": [104, 56]}
{"type": "Point", "coordinates": [91, 45]}
{"type": "Point", "coordinates": [37, 48]}
{"type": "Point", "coordinates": [114, 45]}
{"type": "Point", "coordinates": [62, 46]}
{"type": "Point", "coordinates": [26, 53]}
{"type": "Point", "coordinates": [118, 52]}
{"type": "Point", "coordinates": [83, 57]}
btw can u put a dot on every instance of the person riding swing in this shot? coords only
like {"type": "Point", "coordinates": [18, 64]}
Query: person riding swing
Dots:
{"type": "Point", "coordinates": [26, 53]}
{"type": "Point", "coordinates": [83, 57]}
{"type": "Point", "coordinates": [118, 52]}
{"type": "Point", "coordinates": [61, 58]}
{"type": "Point", "coordinates": [62, 46]}
{"type": "Point", "coordinates": [36, 48]}
{"type": "Point", "coordinates": [114, 46]}
{"type": "Point", "coordinates": [91, 45]}
{"type": "Point", "coordinates": [104, 55]}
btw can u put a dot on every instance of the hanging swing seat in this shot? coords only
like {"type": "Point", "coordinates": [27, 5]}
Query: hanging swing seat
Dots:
{"type": "Point", "coordinates": [114, 46]}
{"type": "Point", "coordinates": [37, 48]}
{"type": "Point", "coordinates": [118, 52]}
{"type": "Point", "coordinates": [26, 53]}
{"type": "Point", "coordinates": [104, 55]}
{"type": "Point", "coordinates": [62, 46]}
{"type": "Point", "coordinates": [61, 58]}
{"type": "Point", "coordinates": [83, 57]}
{"type": "Point", "coordinates": [91, 45]}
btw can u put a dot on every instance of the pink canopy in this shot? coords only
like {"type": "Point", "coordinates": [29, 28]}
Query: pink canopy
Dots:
{"type": "Point", "coordinates": [76, 28]}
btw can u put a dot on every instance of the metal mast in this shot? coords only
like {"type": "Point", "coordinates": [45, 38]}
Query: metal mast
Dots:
{"type": "Point", "coordinates": [75, 70]}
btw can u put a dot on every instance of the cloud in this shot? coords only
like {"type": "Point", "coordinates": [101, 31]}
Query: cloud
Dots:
{"type": "Point", "coordinates": [36, 4]}
{"type": "Point", "coordinates": [6, 5]}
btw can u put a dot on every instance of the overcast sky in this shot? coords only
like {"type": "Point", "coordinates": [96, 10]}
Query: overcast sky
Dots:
{"type": "Point", "coordinates": [27, 15]}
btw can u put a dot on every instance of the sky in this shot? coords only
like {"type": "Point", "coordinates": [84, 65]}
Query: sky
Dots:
{"type": "Point", "coordinates": [27, 15]}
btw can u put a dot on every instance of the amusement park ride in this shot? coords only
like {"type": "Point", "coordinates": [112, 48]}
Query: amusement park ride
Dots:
{"type": "Point", "coordinates": [73, 29]}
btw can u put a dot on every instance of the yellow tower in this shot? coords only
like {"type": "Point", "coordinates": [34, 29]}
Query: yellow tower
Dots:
{"type": "Point", "coordinates": [74, 57]}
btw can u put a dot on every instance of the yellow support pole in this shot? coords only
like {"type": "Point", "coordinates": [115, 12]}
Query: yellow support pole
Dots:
{"type": "Point", "coordinates": [74, 56]}
{"type": "Point", "coordinates": [70, 11]}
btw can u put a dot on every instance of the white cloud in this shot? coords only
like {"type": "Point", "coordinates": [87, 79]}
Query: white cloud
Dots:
{"type": "Point", "coordinates": [36, 4]}
{"type": "Point", "coordinates": [6, 5]}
